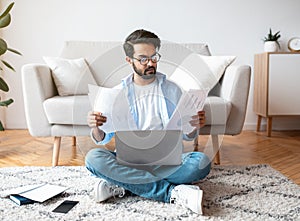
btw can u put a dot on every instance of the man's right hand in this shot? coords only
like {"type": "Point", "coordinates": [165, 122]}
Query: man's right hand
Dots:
{"type": "Point", "coordinates": [95, 119]}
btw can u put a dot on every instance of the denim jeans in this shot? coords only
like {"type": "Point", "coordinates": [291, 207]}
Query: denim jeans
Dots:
{"type": "Point", "coordinates": [152, 182]}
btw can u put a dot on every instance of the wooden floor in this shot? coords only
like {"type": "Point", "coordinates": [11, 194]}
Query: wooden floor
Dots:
{"type": "Point", "coordinates": [281, 151]}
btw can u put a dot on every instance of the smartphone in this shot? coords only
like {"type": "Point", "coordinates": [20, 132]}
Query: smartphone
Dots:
{"type": "Point", "coordinates": [65, 206]}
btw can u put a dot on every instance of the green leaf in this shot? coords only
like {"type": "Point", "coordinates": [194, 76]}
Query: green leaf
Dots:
{"type": "Point", "coordinates": [3, 46]}
{"type": "Point", "coordinates": [8, 65]}
{"type": "Point", "coordinates": [272, 37]}
{"type": "Point", "coordinates": [1, 127]}
{"type": "Point", "coordinates": [270, 31]}
{"type": "Point", "coordinates": [5, 21]}
{"type": "Point", "coordinates": [3, 86]}
{"type": "Point", "coordinates": [14, 51]}
{"type": "Point", "coordinates": [6, 102]}
{"type": "Point", "coordinates": [7, 10]}
{"type": "Point", "coordinates": [278, 44]}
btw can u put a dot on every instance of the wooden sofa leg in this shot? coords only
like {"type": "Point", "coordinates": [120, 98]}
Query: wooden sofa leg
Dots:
{"type": "Point", "coordinates": [73, 141]}
{"type": "Point", "coordinates": [56, 148]}
{"type": "Point", "coordinates": [216, 150]}
{"type": "Point", "coordinates": [196, 143]}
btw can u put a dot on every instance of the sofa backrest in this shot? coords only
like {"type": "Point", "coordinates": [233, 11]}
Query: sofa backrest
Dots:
{"type": "Point", "coordinates": [107, 59]}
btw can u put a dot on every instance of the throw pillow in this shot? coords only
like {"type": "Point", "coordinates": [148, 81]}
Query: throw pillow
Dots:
{"type": "Point", "coordinates": [200, 71]}
{"type": "Point", "coordinates": [71, 76]}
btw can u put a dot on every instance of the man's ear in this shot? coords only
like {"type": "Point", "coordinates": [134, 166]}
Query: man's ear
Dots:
{"type": "Point", "coordinates": [129, 60]}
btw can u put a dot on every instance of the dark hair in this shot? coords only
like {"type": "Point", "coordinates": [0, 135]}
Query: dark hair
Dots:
{"type": "Point", "coordinates": [137, 37]}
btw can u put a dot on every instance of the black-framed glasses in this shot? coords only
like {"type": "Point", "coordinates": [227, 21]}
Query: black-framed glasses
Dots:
{"type": "Point", "coordinates": [145, 60]}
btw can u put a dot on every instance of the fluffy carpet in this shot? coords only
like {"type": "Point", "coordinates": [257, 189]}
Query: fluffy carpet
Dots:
{"type": "Point", "coordinates": [255, 192]}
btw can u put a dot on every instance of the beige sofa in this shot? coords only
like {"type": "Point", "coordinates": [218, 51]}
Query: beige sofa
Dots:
{"type": "Point", "coordinates": [51, 115]}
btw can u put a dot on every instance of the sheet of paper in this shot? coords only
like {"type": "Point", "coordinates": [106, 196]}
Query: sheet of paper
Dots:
{"type": "Point", "coordinates": [113, 104]}
{"type": "Point", "coordinates": [44, 192]}
{"type": "Point", "coordinates": [21, 189]}
{"type": "Point", "coordinates": [189, 104]}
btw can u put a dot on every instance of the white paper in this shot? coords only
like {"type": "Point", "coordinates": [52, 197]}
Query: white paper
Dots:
{"type": "Point", "coordinates": [44, 192]}
{"type": "Point", "coordinates": [21, 189]}
{"type": "Point", "coordinates": [189, 104]}
{"type": "Point", "coordinates": [113, 104]}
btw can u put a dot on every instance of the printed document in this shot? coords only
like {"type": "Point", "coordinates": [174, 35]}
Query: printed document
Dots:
{"type": "Point", "coordinates": [189, 104]}
{"type": "Point", "coordinates": [113, 104]}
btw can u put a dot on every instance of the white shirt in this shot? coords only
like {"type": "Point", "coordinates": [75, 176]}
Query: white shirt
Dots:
{"type": "Point", "coordinates": [147, 100]}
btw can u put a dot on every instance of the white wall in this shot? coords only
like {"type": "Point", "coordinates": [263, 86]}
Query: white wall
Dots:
{"type": "Point", "coordinates": [230, 27]}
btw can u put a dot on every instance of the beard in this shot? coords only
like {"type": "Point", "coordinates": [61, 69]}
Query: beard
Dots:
{"type": "Point", "coordinates": [147, 74]}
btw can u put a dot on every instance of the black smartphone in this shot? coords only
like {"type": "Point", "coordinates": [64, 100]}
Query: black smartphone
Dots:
{"type": "Point", "coordinates": [65, 206]}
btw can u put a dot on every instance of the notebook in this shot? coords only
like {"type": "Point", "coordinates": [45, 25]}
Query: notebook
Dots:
{"type": "Point", "coordinates": [149, 147]}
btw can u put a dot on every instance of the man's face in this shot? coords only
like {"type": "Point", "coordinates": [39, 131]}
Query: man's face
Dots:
{"type": "Point", "coordinates": [143, 50]}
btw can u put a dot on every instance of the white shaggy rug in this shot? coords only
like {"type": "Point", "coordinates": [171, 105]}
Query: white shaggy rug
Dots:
{"type": "Point", "coordinates": [255, 192]}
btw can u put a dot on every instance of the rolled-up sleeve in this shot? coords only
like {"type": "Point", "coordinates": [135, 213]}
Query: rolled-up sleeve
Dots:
{"type": "Point", "coordinates": [187, 138]}
{"type": "Point", "coordinates": [107, 138]}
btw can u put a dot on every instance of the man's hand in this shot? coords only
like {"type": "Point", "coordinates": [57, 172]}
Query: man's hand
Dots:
{"type": "Point", "coordinates": [95, 119]}
{"type": "Point", "coordinates": [198, 121]}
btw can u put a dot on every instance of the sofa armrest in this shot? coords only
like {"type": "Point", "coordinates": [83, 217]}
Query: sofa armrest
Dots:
{"type": "Point", "coordinates": [235, 88]}
{"type": "Point", "coordinates": [37, 85]}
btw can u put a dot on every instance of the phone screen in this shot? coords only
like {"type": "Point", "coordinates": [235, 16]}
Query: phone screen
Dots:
{"type": "Point", "coordinates": [65, 206]}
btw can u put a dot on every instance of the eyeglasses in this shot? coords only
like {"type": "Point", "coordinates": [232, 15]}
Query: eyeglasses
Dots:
{"type": "Point", "coordinates": [145, 60]}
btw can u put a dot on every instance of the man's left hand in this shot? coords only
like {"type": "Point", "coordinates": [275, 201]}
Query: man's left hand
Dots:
{"type": "Point", "coordinates": [198, 121]}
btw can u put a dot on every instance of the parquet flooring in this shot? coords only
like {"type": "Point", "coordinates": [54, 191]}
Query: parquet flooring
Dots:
{"type": "Point", "coordinates": [281, 151]}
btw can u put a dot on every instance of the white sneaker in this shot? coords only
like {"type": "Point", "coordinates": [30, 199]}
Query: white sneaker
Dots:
{"type": "Point", "coordinates": [104, 190]}
{"type": "Point", "coordinates": [189, 196]}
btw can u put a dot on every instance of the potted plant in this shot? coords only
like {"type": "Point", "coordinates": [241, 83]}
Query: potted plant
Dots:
{"type": "Point", "coordinates": [271, 41]}
{"type": "Point", "coordinates": [5, 19]}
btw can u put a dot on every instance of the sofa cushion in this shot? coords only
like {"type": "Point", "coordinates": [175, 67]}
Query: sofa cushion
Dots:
{"type": "Point", "coordinates": [200, 71]}
{"type": "Point", "coordinates": [71, 76]}
{"type": "Point", "coordinates": [67, 110]}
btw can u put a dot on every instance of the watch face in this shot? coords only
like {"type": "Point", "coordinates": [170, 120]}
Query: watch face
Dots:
{"type": "Point", "coordinates": [294, 44]}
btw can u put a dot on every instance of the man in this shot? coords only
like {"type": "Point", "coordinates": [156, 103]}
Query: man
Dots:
{"type": "Point", "coordinates": [152, 99]}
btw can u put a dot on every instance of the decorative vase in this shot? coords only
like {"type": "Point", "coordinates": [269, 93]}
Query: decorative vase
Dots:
{"type": "Point", "coordinates": [271, 46]}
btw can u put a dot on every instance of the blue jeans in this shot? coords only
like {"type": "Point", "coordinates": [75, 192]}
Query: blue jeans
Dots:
{"type": "Point", "coordinates": [153, 182]}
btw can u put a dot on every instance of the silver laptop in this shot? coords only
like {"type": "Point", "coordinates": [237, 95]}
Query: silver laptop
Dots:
{"type": "Point", "coordinates": [143, 148]}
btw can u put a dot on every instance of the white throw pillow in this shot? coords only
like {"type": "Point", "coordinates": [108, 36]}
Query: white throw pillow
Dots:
{"type": "Point", "coordinates": [200, 71]}
{"type": "Point", "coordinates": [71, 76]}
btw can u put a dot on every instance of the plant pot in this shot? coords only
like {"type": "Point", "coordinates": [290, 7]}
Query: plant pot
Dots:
{"type": "Point", "coordinates": [271, 46]}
